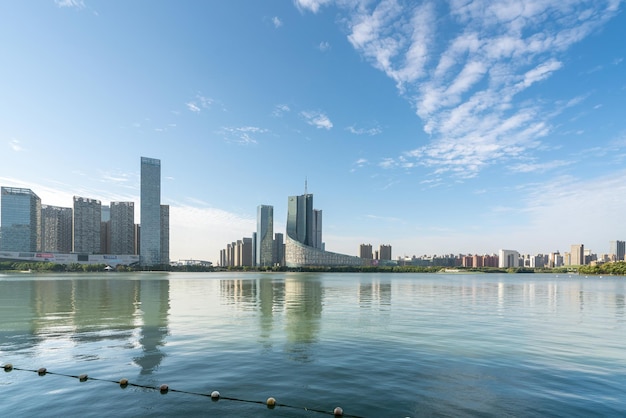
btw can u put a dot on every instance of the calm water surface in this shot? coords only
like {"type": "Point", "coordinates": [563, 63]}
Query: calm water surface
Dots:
{"type": "Point", "coordinates": [378, 345]}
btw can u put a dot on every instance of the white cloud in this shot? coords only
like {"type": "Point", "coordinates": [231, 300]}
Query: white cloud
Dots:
{"type": "Point", "coordinates": [311, 5]}
{"type": "Point", "coordinates": [324, 46]}
{"type": "Point", "coordinates": [317, 119]}
{"type": "Point", "coordinates": [193, 107]}
{"type": "Point", "coordinates": [242, 135]}
{"type": "Point", "coordinates": [277, 22]}
{"type": "Point", "coordinates": [16, 145]}
{"type": "Point", "coordinates": [280, 109]}
{"type": "Point", "coordinates": [465, 67]}
{"type": "Point", "coordinates": [361, 131]}
{"type": "Point", "coordinates": [77, 4]}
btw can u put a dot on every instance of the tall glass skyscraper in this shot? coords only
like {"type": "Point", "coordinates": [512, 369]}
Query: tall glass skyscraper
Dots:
{"type": "Point", "coordinates": [20, 220]}
{"type": "Point", "coordinates": [265, 235]}
{"type": "Point", "coordinates": [150, 209]}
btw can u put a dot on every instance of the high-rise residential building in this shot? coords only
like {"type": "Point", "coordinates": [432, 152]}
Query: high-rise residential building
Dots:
{"type": "Point", "coordinates": [264, 236]}
{"type": "Point", "coordinates": [577, 255]}
{"type": "Point", "coordinates": [617, 249]}
{"type": "Point", "coordinates": [20, 220]}
{"type": "Point", "coordinates": [122, 228]}
{"type": "Point", "coordinates": [105, 229]}
{"type": "Point", "coordinates": [86, 225]}
{"type": "Point", "coordinates": [56, 229]}
{"type": "Point", "coordinates": [150, 208]}
{"type": "Point", "coordinates": [165, 234]}
{"type": "Point", "coordinates": [384, 252]}
{"type": "Point", "coordinates": [508, 258]}
{"type": "Point", "coordinates": [365, 251]}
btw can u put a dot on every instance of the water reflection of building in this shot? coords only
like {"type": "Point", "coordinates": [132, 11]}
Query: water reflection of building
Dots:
{"type": "Point", "coordinates": [155, 304]}
{"type": "Point", "coordinates": [374, 292]}
{"type": "Point", "coordinates": [79, 315]}
{"type": "Point", "coordinates": [303, 311]}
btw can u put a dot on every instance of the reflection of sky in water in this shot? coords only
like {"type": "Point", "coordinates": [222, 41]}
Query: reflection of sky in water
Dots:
{"type": "Point", "coordinates": [486, 338]}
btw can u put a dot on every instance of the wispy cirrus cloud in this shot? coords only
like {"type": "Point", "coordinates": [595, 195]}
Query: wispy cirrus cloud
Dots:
{"type": "Point", "coordinates": [244, 135]}
{"type": "Point", "coordinates": [317, 119]}
{"type": "Point", "coordinates": [199, 103]}
{"type": "Point", "coordinates": [465, 64]}
{"type": "Point", "coordinates": [280, 109]}
{"type": "Point", "coordinates": [76, 4]}
{"type": "Point", "coordinates": [277, 22]}
{"type": "Point", "coordinates": [361, 131]}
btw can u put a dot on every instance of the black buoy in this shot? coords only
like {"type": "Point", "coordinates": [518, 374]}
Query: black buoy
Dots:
{"type": "Point", "coordinates": [7, 367]}
{"type": "Point", "coordinates": [42, 371]}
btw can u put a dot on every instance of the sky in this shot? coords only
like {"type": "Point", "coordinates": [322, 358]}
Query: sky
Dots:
{"type": "Point", "coordinates": [436, 127]}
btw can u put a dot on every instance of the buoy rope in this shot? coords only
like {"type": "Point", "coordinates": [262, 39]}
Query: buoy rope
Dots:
{"type": "Point", "coordinates": [215, 395]}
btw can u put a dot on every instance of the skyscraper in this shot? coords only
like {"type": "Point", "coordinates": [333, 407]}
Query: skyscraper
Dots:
{"type": "Point", "coordinates": [150, 208]}
{"type": "Point", "coordinates": [165, 234]}
{"type": "Point", "coordinates": [122, 228]}
{"type": "Point", "coordinates": [20, 220]}
{"type": "Point", "coordinates": [365, 251]}
{"type": "Point", "coordinates": [56, 229]}
{"type": "Point", "coordinates": [577, 255]}
{"type": "Point", "coordinates": [617, 248]}
{"type": "Point", "coordinates": [264, 235]}
{"type": "Point", "coordinates": [86, 225]}
{"type": "Point", "coordinates": [384, 252]}
{"type": "Point", "coordinates": [300, 218]}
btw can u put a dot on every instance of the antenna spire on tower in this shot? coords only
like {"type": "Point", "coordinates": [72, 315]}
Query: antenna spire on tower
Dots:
{"type": "Point", "coordinates": [305, 186]}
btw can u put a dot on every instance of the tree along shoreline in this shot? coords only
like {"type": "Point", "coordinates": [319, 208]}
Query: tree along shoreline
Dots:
{"type": "Point", "coordinates": [616, 269]}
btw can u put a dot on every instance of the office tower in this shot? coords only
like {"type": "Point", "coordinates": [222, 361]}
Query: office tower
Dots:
{"type": "Point", "coordinates": [264, 235]}
{"type": "Point", "coordinates": [577, 255]}
{"type": "Point", "coordinates": [86, 225]}
{"type": "Point", "coordinates": [20, 220]}
{"type": "Point", "coordinates": [279, 249]}
{"type": "Point", "coordinates": [150, 208]}
{"type": "Point", "coordinates": [384, 252]}
{"type": "Point", "coordinates": [365, 251]}
{"type": "Point", "coordinates": [122, 228]}
{"type": "Point", "coordinates": [165, 234]}
{"type": "Point", "coordinates": [255, 261]}
{"type": "Point", "coordinates": [137, 239]}
{"type": "Point", "coordinates": [300, 219]}
{"type": "Point", "coordinates": [617, 249]}
{"type": "Point", "coordinates": [317, 230]}
{"type": "Point", "coordinates": [56, 229]}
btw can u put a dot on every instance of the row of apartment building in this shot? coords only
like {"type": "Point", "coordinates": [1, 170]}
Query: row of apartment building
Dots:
{"type": "Point", "coordinates": [88, 227]}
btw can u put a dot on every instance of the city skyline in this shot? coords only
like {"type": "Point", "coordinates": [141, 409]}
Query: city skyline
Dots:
{"type": "Point", "coordinates": [436, 127]}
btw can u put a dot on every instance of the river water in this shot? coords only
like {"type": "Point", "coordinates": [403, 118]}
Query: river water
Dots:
{"type": "Point", "coordinates": [377, 345]}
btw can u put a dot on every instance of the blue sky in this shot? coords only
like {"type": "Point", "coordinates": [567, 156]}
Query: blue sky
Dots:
{"type": "Point", "coordinates": [436, 127]}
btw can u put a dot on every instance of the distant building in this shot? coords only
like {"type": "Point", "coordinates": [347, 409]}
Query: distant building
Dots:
{"type": "Point", "coordinates": [577, 255]}
{"type": "Point", "coordinates": [508, 258]}
{"type": "Point", "coordinates": [56, 229]}
{"type": "Point", "coordinates": [264, 236]}
{"type": "Point", "coordinates": [279, 249]}
{"type": "Point", "coordinates": [20, 220]}
{"type": "Point", "coordinates": [365, 251]}
{"type": "Point", "coordinates": [303, 237]}
{"type": "Point", "coordinates": [86, 225]}
{"type": "Point", "coordinates": [384, 252]}
{"type": "Point", "coordinates": [152, 214]}
{"type": "Point", "coordinates": [617, 249]}
{"type": "Point", "coordinates": [122, 228]}
{"type": "Point", "coordinates": [105, 229]}
{"type": "Point", "coordinates": [165, 234]}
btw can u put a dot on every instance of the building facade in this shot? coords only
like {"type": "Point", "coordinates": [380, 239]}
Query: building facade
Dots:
{"type": "Point", "coordinates": [384, 252]}
{"type": "Point", "coordinates": [617, 250]}
{"type": "Point", "coordinates": [165, 234]}
{"type": "Point", "coordinates": [122, 228]}
{"type": "Point", "coordinates": [577, 255]}
{"type": "Point", "coordinates": [20, 220]}
{"type": "Point", "coordinates": [508, 258]}
{"type": "Point", "coordinates": [56, 229]}
{"type": "Point", "coordinates": [365, 251]}
{"type": "Point", "coordinates": [264, 246]}
{"type": "Point", "coordinates": [150, 209]}
{"type": "Point", "coordinates": [301, 239]}
{"type": "Point", "coordinates": [86, 226]}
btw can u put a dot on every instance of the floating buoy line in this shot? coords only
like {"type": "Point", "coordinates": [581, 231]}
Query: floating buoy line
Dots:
{"type": "Point", "coordinates": [215, 396]}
